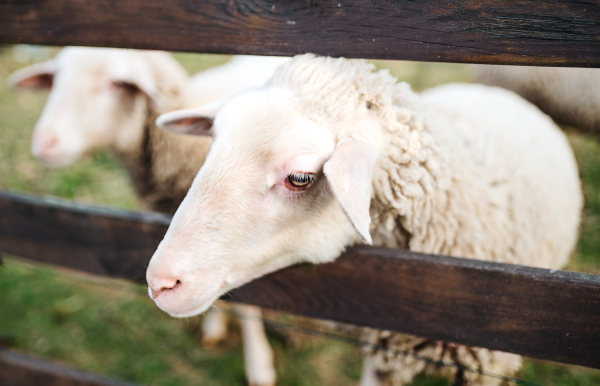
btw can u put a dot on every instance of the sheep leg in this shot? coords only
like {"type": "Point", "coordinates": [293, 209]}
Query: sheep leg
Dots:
{"type": "Point", "coordinates": [214, 327]}
{"type": "Point", "coordinates": [490, 361]}
{"type": "Point", "coordinates": [258, 356]}
{"type": "Point", "coordinates": [371, 376]}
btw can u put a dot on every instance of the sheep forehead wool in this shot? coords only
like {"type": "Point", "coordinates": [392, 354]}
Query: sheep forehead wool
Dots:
{"type": "Point", "coordinates": [465, 170]}
{"type": "Point", "coordinates": [337, 90]}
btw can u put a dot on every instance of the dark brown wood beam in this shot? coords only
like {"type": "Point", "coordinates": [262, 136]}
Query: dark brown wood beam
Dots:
{"type": "Point", "coordinates": [534, 312]}
{"type": "Point", "coordinates": [528, 32]}
{"type": "Point", "coordinates": [21, 370]}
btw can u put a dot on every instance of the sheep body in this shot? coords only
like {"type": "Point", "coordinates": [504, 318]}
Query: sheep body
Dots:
{"type": "Point", "coordinates": [486, 159]}
{"type": "Point", "coordinates": [568, 95]}
{"type": "Point", "coordinates": [469, 171]}
{"type": "Point", "coordinates": [464, 170]}
{"type": "Point", "coordinates": [240, 73]}
{"type": "Point", "coordinates": [480, 191]}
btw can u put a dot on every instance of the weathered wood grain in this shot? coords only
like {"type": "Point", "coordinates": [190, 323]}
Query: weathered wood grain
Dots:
{"type": "Point", "coordinates": [529, 32]}
{"type": "Point", "coordinates": [21, 370]}
{"type": "Point", "coordinates": [534, 312]}
{"type": "Point", "coordinates": [90, 239]}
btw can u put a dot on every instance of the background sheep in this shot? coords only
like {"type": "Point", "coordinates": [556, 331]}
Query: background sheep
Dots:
{"type": "Point", "coordinates": [329, 154]}
{"type": "Point", "coordinates": [109, 99]}
{"type": "Point", "coordinates": [568, 95]}
{"type": "Point", "coordinates": [242, 72]}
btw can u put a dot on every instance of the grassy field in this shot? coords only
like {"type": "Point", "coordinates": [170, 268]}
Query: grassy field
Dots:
{"type": "Point", "coordinates": [112, 327]}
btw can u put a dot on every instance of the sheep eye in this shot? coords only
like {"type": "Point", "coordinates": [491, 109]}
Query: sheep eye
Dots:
{"type": "Point", "coordinates": [299, 180]}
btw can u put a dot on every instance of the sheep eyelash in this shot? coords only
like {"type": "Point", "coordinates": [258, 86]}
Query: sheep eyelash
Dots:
{"type": "Point", "coordinates": [304, 177]}
{"type": "Point", "coordinates": [299, 181]}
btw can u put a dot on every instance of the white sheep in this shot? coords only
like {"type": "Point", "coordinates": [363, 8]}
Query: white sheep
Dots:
{"type": "Point", "coordinates": [241, 72]}
{"type": "Point", "coordinates": [568, 95]}
{"type": "Point", "coordinates": [109, 99]}
{"type": "Point", "coordinates": [329, 154]}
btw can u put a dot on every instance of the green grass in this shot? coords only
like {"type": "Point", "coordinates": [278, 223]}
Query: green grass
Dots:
{"type": "Point", "coordinates": [112, 327]}
{"type": "Point", "coordinates": [587, 151]}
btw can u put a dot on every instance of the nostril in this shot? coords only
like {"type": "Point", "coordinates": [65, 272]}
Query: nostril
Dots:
{"type": "Point", "coordinates": [51, 142]}
{"type": "Point", "coordinates": [157, 293]}
{"type": "Point", "coordinates": [42, 144]}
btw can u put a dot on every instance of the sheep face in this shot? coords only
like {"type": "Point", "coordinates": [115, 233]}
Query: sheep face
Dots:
{"type": "Point", "coordinates": [96, 97]}
{"type": "Point", "coordinates": [276, 189]}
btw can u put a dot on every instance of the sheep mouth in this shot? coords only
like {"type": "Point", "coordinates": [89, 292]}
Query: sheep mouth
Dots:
{"type": "Point", "coordinates": [55, 162]}
{"type": "Point", "coordinates": [189, 312]}
{"type": "Point", "coordinates": [194, 310]}
{"type": "Point", "coordinates": [205, 305]}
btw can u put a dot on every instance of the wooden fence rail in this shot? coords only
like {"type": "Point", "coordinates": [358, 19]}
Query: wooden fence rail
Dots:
{"type": "Point", "coordinates": [528, 32]}
{"type": "Point", "coordinates": [21, 370]}
{"type": "Point", "coordinates": [539, 313]}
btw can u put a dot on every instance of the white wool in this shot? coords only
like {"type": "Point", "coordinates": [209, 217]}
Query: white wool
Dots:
{"type": "Point", "coordinates": [448, 183]}
{"type": "Point", "coordinates": [242, 72]}
{"type": "Point", "coordinates": [451, 184]}
{"type": "Point", "coordinates": [458, 185]}
{"type": "Point", "coordinates": [465, 170]}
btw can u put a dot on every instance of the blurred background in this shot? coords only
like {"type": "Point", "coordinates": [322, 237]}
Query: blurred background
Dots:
{"type": "Point", "coordinates": [112, 327]}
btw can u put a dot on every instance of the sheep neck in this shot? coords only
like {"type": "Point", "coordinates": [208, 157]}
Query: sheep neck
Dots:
{"type": "Point", "coordinates": [412, 179]}
{"type": "Point", "coordinates": [165, 164]}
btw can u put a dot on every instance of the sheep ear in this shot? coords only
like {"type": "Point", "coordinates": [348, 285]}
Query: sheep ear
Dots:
{"type": "Point", "coordinates": [197, 121]}
{"type": "Point", "coordinates": [349, 172]}
{"type": "Point", "coordinates": [137, 75]}
{"type": "Point", "coordinates": [38, 76]}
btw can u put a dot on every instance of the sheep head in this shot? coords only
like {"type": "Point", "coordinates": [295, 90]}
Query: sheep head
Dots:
{"type": "Point", "coordinates": [98, 100]}
{"type": "Point", "coordinates": [277, 188]}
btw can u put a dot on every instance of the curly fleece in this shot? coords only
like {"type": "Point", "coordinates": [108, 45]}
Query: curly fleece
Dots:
{"type": "Point", "coordinates": [465, 170]}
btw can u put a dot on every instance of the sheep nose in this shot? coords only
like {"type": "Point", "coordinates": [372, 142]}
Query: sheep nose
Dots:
{"type": "Point", "coordinates": [43, 145]}
{"type": "Point", "coordinates": [50, 142]}
{"type": "Point", "coordinates": [161, 285]}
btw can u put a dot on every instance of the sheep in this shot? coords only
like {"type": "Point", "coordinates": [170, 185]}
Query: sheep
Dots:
{"type": "Point", "coordinates": [568, 95]}
{"type": "Point", "coordinates": [329, 153]}
{"type": "Point", "coordinates": [109, 99]}
{"type": "Point", "coordinates": [240, 73]}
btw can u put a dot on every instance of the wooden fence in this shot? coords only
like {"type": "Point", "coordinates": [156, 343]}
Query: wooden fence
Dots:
{"type": "Point", "coordinates": [534, 312]}
{"type": "Point", "coordinates": [533, 32]}
{"type": "Point", "coordinates": [21, 370]}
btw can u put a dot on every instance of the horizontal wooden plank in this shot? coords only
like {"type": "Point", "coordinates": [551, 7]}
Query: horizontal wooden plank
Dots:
{"type": "Point", "coordinates": [21, 370]}
{"type": "Point", "coordinates": [90, 239]}
{"type": "Point", "coordinates": [534, 312]}
{"type": "Point", "coordinates": [528, 32]}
